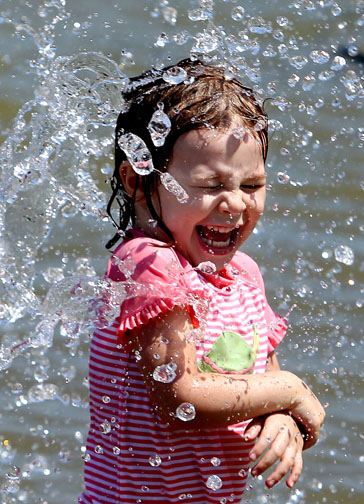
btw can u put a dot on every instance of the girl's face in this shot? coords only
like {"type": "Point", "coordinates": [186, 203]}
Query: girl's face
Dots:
{"type": "Point", "coordinates": [225, 179]}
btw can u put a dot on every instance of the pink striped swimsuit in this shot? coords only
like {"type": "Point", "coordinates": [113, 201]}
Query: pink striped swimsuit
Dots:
{"type": "Point", "coordinates": [132, 457]}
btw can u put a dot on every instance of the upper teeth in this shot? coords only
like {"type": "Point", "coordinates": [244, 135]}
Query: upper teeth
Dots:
{"type": "Point", "coordinates": [220, 229]}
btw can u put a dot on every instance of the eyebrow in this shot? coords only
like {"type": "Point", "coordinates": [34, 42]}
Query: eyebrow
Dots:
{"type": "Point", "coordinates": [260, 178]}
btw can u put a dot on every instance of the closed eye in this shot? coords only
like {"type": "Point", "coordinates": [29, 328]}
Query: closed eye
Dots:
{"type": "Point", "coordinates": [212, 187]}
{"type": "Point", "coordinates": [251, 187]}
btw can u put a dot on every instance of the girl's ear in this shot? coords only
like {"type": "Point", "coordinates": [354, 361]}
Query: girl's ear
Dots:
{"type": "Point", "coordinates": [130, 180]}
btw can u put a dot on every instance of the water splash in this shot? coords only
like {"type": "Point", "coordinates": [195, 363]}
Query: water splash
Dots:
{"type": "Point", "coordinates": [159, 126]}
{"type": "Point", "coordinates": [137, 153]}
{"type": "Point", "coordinates": [53, 187]}
{"type": "Point", "coordinates": [175, 75]}
{"type": "Point", "coordinates": [165, 373]}
{"type": "Point", "coordinates": [171, 184]}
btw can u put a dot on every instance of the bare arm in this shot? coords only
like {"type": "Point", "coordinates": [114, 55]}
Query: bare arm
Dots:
{"type": "Point", "coordinates": [219, 400]}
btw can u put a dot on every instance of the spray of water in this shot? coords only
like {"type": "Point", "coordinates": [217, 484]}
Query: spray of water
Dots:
{"type": "Point", "coordinates": [62, 138]}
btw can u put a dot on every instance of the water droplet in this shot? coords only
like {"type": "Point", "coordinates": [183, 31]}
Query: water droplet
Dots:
{"type": "Point", "coordinates": [214, 482]}
{"type": "Point", "coordinates": [338, 63]}
{"type": "Point", "coordinates": [106, 399]}
{"type": "Point", "coordinates": [238, 13]}
{"type": "Point", "coordinates": [43, 392]}
{"type": "Point", "coordinates": [326, 254]}
{"type": "Point", "coordinates": [155, 460]}
{"type": "Point", "coordinates": [145, 488]}
{"type": "Point", "coordinates": [242, 473]}
{"type": "Point", "coordinates": [293, 80]}
{"type": "Point", "coordinates": [137, 153]}
{"type": "Point", "coordinates": [282, 21]}
{"type": "Point", "coordinates": [170, 15]}
{"type": "Point", "coordinates": [274, 125]}
{"type": "Point", "coordinates": [52, 275]}
{"type": "Point", "coordinates": [105, 427]}
{"type": "Point", "coordinates": [260, 125]}
{"type": "Point", "coordinates": [181, 37]}
{"type": "Point", "coordinates": [259, 25]}
{"type": "Point", "coordinates": [215, 461]}
{"type": "Point", "coordinates": [199, 14]}
{"type": "Point", "coordinates": [171, 184]}
{"type": "Point", "coordinates": [159, 126]}
{"type": "Point", "coordinates": [336, 10]}
{"type": "Point", "coordinates": [206, 267]}
{"type": "Point", "coordinates": [16, 388]}
{"type": "Point", "coordinates": [344, 254]}
{"type": "Point", "coordinates": [186, 412]}
{"type": "Point", "coordinates": [116, 450]}
{"type": "Point", "coordinates": [98, 449]}
{"type": "Point", "coordinates": [283, 178]}
{"type": "Point", "coordinates": [316, 484]}
{"type": "Point", "coordinates": [14, 473]}
{"type": "Point", "coordinates": [175, 75]}
{"type": "Point", "coordinates": [205, 42]}
{"type": "Point", "coordinates": [353, 50]}
{"type": "Point", "coordinates": [298, 61]}
{"type": "Point", "coordinates": [308, 82]}
{"type": "Point", "coordinates": [162, 40]}
{"type": "Point", "coordinates": [302, 291]}
{"type": "Point", "coordinates": [239, 133]}
{"type": "Point", "coordinates": [319, 57]}
{"type": "Point", "coordinates": [165, 373]}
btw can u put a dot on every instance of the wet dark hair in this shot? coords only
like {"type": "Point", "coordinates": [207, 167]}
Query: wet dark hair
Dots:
{"type": "Point", "coordinates": [207, 98]}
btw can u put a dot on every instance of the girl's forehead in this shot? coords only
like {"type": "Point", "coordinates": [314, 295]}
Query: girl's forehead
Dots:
{"type": "Point", "coordinates": [206, 153]}
{"type": "Point", "coordinates": [217, 141]}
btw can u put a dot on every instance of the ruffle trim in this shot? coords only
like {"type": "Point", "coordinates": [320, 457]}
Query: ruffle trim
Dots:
{"type": "Point", "coordinates": [277, 331]}
{"type": "Point", "coordinates": [143, 316]}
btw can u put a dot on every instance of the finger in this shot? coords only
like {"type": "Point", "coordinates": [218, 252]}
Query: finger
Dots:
{"type": "Point", "coordinates": [296, 470]}
{"type": "Point", "coordinates": [277, 448]}
{"type": "Point", "coordinates": [279, 439]}
{"type": "Point", "coordinates": [291, 463]}
{"type": "Point", "coordinates": [254, 429]}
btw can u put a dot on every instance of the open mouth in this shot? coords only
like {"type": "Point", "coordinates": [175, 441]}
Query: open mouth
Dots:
{"type": "Point", "coordinates": [218, 239]}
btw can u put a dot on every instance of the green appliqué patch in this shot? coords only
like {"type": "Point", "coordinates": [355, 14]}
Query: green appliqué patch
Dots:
{"type": "Point", "coordinates": [230, 354]}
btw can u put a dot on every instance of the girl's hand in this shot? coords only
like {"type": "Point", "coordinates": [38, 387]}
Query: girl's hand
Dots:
{"type": "Point", "coordinates": [279, 439]}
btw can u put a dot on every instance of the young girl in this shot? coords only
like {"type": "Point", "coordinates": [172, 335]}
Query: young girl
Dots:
{"type": "Point", "coordinates": [176, 379]}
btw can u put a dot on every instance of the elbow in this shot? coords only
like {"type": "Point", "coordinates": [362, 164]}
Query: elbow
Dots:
{"type": "Point", "coordinates": [175, 407]}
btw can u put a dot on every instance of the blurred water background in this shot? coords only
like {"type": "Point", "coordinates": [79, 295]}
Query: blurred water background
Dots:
{"type": "Point", "coordinates": [62, 65]}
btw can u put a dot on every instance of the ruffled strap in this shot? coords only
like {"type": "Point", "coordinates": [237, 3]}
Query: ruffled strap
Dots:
{"type": "Point", "coordinates": [141, 317]}
{"type": "Point", "coordinates": [152, 310]}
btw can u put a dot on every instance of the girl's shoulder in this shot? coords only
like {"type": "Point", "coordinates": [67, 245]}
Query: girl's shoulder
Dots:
{"type": "Point", "coordinates": [142, 254]}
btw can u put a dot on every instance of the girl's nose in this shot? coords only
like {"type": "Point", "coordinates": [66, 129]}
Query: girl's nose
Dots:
{"type": "Point", "coordinates": [232, 203]}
